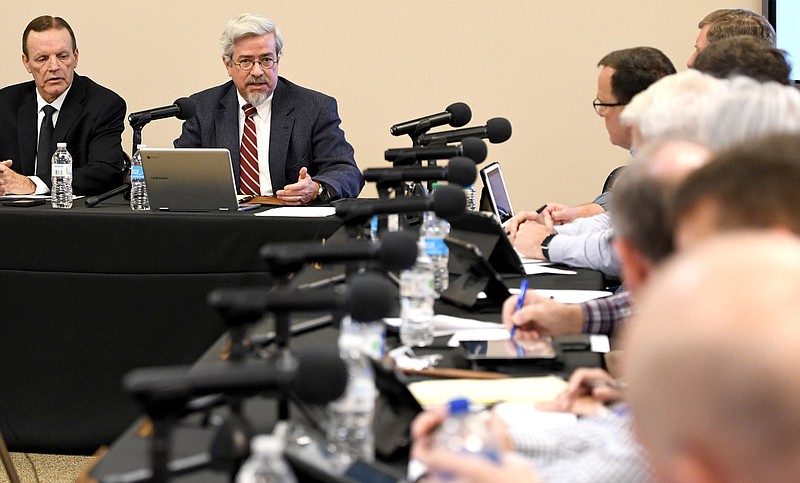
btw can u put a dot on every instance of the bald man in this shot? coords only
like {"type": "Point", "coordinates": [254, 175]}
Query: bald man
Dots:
{"type": "Point", "coordinates": [714, 362]}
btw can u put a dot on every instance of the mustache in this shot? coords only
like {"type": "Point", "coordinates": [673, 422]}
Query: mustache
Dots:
{"type": "Point", "coordinates": [257, 80]}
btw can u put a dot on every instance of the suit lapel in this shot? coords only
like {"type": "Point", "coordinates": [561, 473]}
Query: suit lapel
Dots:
{"type": "Point", "coordinates": [27, 134]}
{"type": "Point", "coordinates": [226, 124]}
{"type": "Point", "coordinates": [279, 136]}
{"type": "Point", "coordinates": [70, 111]}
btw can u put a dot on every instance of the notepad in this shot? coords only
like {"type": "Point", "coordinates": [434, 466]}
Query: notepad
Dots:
{"type": "Point", "coordinates": [488, 392]}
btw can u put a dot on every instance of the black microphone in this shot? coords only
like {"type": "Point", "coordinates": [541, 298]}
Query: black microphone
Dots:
{"type": "Point", "coordinates": [315, 377]}
{"type": "Point", "coordinates": [182, 108]}
{"type": "Point", "coordinates": [456, 115]}
{"type": "Point", "coordinates": [367, 296]}
{"type": "Point", "coordinates": [471, 148]}
{"type": "Point", "coordinates": [497, 130]}
{"type": "Point", "coordinates": [395, 251]}
{"type": "Point", "coordinates": [446, 201]}
{"type": "Point", "coordinates": [459, 170]}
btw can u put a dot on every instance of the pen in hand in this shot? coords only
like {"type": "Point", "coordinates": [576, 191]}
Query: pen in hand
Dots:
{"type": "Point", "coordinates": [523, 287]}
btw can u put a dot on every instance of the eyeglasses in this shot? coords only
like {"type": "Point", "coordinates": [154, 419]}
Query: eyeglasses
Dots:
{"type": "Point", "coordinates": [597, 105]}
{"type": "Point", "coordinates": [247, 64]}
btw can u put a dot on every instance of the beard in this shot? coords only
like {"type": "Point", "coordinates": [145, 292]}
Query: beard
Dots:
{"type": "Point", "coordinates": [257, 98]}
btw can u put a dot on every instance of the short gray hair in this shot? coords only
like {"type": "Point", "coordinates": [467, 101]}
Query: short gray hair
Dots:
{"type": "Point", "coordinates": [248, 25]}
{"type": "Point", "coordinates": [749, 110]}
{"type": "Point", "coordinates": [674, 106]}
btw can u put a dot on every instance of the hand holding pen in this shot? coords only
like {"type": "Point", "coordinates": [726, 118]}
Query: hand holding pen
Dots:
{"type": "Point", "coordinates": [523, 288]}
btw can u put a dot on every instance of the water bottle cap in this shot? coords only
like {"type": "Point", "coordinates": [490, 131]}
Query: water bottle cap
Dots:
{"type": "Point", "coordinates": [61, 145]}
{"type": "Point", "coordinates": [459, 406]}
{"type": "Point", "coordinates": [266, 444]}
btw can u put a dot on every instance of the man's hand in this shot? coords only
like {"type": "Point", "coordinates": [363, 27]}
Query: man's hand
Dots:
{"type": "Point", "coordinates": [13, 183]}
{"type": "Point", "coordinates": [561, 214]}
{"type": "Point", "coordinates": [541, 317]}
{"type": "Point", "coordinates": [587, 391]}
{"type": "Point", "coordinates": [529, 236]}
{"type": "Point", "coordinates": [301, 193]}
{"type": "Point", "coordinates": [514, 223]}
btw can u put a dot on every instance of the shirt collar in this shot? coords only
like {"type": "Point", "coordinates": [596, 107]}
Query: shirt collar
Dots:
{"type": "Point", "coordinates": [263, 109]}
{"type": "Point", "coordinates": [40, 102]}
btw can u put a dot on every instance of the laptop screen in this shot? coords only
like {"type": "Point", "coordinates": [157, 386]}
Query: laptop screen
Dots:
{"type": "Point", "coordinates": [495, 184]}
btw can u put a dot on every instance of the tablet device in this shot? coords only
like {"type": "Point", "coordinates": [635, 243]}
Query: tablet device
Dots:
{"type": "Point", "coordinates": [484, 230]}
{"type": "Point", "coordinates": [478, 276]}
{"type": "Point", "coordinates": [499, 201]}
{"type": "Point", "coordinates": [509, 349]}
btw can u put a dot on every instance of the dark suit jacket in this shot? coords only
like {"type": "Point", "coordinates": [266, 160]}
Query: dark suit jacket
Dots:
{"type": "Point", "coordinates": [304, 132]}
{"type": "Point", "coordinates": [91, 122]}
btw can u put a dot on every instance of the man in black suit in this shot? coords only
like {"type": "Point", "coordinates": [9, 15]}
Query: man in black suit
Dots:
{"type": "Point", "coordinates": [284, 139]}
{"type": "Point", "coordinates": [58, 106]}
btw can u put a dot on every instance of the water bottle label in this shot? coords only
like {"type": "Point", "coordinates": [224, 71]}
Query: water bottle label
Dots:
{"type": "Point", "coordinates": [435, 247]}
{"type": "Point", "coordinates": [61, 170]}
{"type": "Point", "coordinates": [416, 284]}
{"type": "Point", "coordinates": [137, 173]}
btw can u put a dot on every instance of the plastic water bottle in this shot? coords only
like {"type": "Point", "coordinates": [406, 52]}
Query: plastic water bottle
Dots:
{"type": "Point", "coordinates": [417, 295]}
{"type": "Point", "coordinates": [350, 433]}
{"type": "Point", "coordinates": [469, 192]}
{"type": "Point", "coordinates": [139, 200]}
{"type": "Point", "coordinates": [466, 432]}
{"type": "Point", "coordinates": [61, 177]}
{"type": "Point", "coordinates": [433, 231]}
{"type": "Point", "coordinates": [266, 462]}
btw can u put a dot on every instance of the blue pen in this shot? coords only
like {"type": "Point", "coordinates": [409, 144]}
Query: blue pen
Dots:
{"type": "Point", "coordinates": [523, 287]}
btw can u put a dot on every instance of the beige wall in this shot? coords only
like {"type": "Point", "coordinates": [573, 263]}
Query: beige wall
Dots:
{"type": "Point", "coordinates": [386, 61]}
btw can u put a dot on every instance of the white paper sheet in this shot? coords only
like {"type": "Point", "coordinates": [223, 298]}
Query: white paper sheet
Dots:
{"type": "Point", "coordinates": [300, 211]}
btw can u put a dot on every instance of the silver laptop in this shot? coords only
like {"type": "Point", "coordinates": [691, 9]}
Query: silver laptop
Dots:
{"type": "Point", "coordinates": [189, 179]}
{"type": "Point", "coordinates": [492, 177]}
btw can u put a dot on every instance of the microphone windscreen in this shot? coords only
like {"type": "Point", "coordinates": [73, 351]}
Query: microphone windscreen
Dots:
{"type": "Point", "coordinates": [448, 201]}
{"type": "Point", "coordinates": [372, 296]}
{"type": "Point", "coordinates": [460, 114]}
{"type": "Point", "coordinates": [461, 171]}
{"type": "Point", "coordinates": [321, 375]}
{"type": "Point", "coordinates": [398, 250]}
{"type": "Point", "coordinates": [187, 108]}
{"type": "Point", "coordinates": [498, 130]}
{"type": "Point", "coordinates": [474, 149]}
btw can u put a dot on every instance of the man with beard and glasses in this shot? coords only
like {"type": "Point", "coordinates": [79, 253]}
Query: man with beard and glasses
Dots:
{"type": "Point", "coordinates": [284, 139]}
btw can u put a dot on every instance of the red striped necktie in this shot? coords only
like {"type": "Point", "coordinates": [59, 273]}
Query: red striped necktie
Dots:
{"type": "Point", "coordinates": [248, 154]}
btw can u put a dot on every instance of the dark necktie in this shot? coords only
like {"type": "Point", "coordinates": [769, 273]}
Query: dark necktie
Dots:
{"type": "Point", "coordinates": [248, 154]}
{"type": "Point", "coordinates": [43, 153]}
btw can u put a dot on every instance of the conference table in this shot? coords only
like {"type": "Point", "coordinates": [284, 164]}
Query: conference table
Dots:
{"type": "Point", "coordinates": [194, 436]}
{"type": "Point", "coordinates": [89, 293]}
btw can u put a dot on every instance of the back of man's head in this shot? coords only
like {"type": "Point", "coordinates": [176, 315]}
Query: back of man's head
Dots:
{"type": "Point", "coordinates": [748, 110]}
{"type": "Point", "coordinates": [744, 55]}
{"type": "Point", "coordinates": [750, 24]}
{"type": "Point", "coordinates": [754, 185]}
{"type": "Point", "coordinates": [673, 107]}
{"type": "Point", "coordinates": [642, 200]}
{"type": "Point", "coordinates": [714, 360]}
{"type": "Point", "coordinates": [636, 68]}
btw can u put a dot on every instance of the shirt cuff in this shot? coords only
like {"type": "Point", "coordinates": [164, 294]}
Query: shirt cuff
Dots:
{"type": "Point", "coordinates": [41, 188]}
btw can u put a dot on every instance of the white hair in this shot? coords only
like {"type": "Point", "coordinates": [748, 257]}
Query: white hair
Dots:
{"type": "Point", "coordinates": [673, 107]}
{"type": "Point", "coordinates": [750, 110]}
{"type": "Point", "coordinates": [246, 25]}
